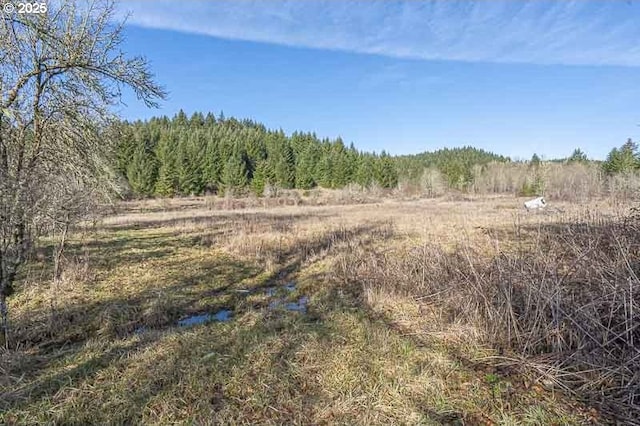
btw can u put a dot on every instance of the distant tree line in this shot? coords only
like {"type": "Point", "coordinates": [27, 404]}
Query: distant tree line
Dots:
{"type": "Point", "coordinates": [208, 154]}
{"type": "Point", "coordinates": [457, 165]}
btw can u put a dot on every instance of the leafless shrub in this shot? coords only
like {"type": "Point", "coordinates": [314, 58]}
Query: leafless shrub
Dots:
{"type": "Point", "coordinates": [567, 298]}
{"type": "Point", "coordinates": [210, 202]}
{"type": "Point", "coordinates": [574, 182]}
{"type": "Point", "coordinates": [353, 194]}
{"type": "Point", "coordinates": [59, 74]}
{"type": "Point", "coordinates": [432, 183]}
{"type": "Point", "coordinates": [290, 197]}
{"type": "Point", "coordinates": [270, 191]}
{"type": "Point", "coordinates": [500, 178]}
{"type": "Point", "coordinates": [623, 186]}
{"type": "Point", "coordinates": [577, 182]}
{"type": "Point", "coordinates": [407, 189]}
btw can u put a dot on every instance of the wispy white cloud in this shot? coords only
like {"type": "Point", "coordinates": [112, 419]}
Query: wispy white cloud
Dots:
{"type": "Point", "coordinates": [399, 76]}
{"type": "Point", "coordinates": [578, 32]}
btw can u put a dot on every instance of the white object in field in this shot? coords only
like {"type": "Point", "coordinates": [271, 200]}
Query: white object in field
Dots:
{"type": "Point", "coordinates": [536, 203]}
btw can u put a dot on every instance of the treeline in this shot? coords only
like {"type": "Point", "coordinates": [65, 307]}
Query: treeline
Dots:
{"type": "Point", "coordinates": [207, 154]}
{"type": "Point", "coordinates": [456, 165]}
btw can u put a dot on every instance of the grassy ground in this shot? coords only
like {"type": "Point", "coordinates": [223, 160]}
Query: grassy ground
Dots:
{"type": "Point", "coordinates": [102, 345]}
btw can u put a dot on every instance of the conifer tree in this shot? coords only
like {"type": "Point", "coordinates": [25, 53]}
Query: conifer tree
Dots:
{"type": "Point", "coordinates": [324, 166]}
{"type": "Point", "coordinates": [285, 168]}
{"type": "Point", "coordinates": [622, 160]}
{"type": "Point", "coordinates": [387, 175]}
{"type": "Point", "coordinates": [260, 178]}
{"type": "Point", "coordinates": [126, 148]}
{"type": "Point", "coordinates": [299, 143]}
{"type": "Point", "coordinates": [365, 172]}
{"type": "Point", "coordinates": [324, 171]}
{"type": "Point", "coordinates": [256, 148]}
{"type": "Point", "coordinates": [209, 120]}
{"type": "Point", "coordinates": [166, 183]}
{"type": "Point", "coordinates": [212, 164]}
{"type": "Point", "coordinates": [578, 156]}
{"type": "Point", "coordinates": [305, 168]}
{"type": "Point", "coordinates": [535, 160]}
{"type": "Point", "coordinates": [340, 165]}
{"type": "Point", "coordinates": [181, 119]}
{"type": "Point", "coordinates": [196, 120]}
{"type": "Point", "coordinates": [235, 174]}
{"type": "Point", "coordinates": [142, 171]}
{"type": "Point", "coordinates": [191, 163]}
{"type": "Point", "coordinates": [353, 158]}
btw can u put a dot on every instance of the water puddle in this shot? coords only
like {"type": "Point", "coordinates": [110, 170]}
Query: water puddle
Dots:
{"type": "Point", "coordinates": [287, 288]}
{"type": "Point", "coordinates": [277, 293]}
{"type": "Point", "coordinates": [299, 306]}
{"type": "Point", "coordinates": [140, 330]}
{"type": "Point", "coordinates": [222, 316]}
{"type": "Point", "coordinates": [271, 291]}
{"type": "Point", "coordinates": [280, 303]}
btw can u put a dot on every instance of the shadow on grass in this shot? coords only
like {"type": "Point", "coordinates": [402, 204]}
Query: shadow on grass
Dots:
{"type": "Point", "coordinates": [132, 243]}
{"type": "Point", "coordinates": [258, 220]}
{"type": "Point", "coordinates": [63, 356]}
{"type": "Point", "coordinates": [165, 296]}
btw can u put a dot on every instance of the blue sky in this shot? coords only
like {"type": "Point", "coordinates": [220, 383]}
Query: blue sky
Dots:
{"type": "Point", "coordinates": [514, 77]}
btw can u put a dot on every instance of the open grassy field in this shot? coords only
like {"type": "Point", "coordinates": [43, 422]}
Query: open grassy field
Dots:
{"type": "Point", "coordinates": [315, 334]}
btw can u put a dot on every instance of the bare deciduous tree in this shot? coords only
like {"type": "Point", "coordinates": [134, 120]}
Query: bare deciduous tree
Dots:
{"type": "Point", "coordinates": [60, 72]}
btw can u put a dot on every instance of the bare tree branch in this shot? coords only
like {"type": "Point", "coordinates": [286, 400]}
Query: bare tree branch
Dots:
{"type": "Point", "coordinates": [60, 72]}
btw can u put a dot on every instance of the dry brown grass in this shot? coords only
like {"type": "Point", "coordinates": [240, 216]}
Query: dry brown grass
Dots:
{"type": "Point", "coordinates": [560, 298]}
{"type": "Point", "coordinates": [102, 346]}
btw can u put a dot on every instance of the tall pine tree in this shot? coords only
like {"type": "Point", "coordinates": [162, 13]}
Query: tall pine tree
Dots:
{"type": "Point", "coordinates": [166, 184]}
{"type": "Point", "coordinates": [387, 175]}
{"type": "Point", "coordinates": [142, 171]}
{"type": "Point", "coordinates": [235, 174]}
{"type": "Point", "coordinates": [305, 167]}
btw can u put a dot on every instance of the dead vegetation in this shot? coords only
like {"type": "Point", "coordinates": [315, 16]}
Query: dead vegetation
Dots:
{"type": "Point", "coordinates": [560, 303]}
{"type": "Point", "coordinates": [417, 313]}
